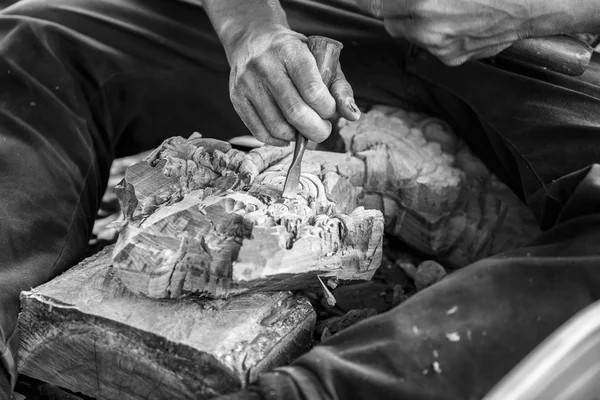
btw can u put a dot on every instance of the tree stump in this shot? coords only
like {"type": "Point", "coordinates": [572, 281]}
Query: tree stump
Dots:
{"type": "Point", "coordinates": [85, 331]}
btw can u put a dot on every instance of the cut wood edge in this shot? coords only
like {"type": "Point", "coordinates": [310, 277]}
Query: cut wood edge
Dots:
{"type": "Point", "coordinates": [62, 335]}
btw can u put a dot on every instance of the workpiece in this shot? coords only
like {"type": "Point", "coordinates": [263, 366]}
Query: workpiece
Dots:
{"type": "Point", "coordinates": [203, 218]}
{"type": "Point", "coordinates": [435, 194]}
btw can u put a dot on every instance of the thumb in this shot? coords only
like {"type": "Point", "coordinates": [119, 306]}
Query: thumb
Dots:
{"type": "Point", "coordinates": [373, 8]}
{"type": "Point", "coordinates": [344, 96]}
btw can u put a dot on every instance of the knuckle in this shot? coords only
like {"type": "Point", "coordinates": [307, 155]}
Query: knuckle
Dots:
{"type": "Point", "coordinates": [328, 111]}
{"type": "Point", "coordinates": [297, 113]}
{"type": "Point", "coordinates": [321, 133]}
{"type": "Point", "coordinates": [452, 60]}
{"type": "Point", "coordinates": [293, 52]}
{"type": "Point", "coordinates": [235, 81]}
{"type": "Point", "coordinates": [436, 40]}
{"type": "Point", "coordinates": [289, 48]}
{"type": "Point", "coordinates": [441, 52]}
{"type": "Point", "coordinates": [313, 92]}
{"type": "Point", "coordinates": [236, 102]}
{"type": "Point", "coordinates": [319, 98]}
{"type": "Point", "coordinates": [427, 37]}
{"type": "Point", "coordinates": [282, 130]}
{"type": "Point", "coordinates": [241, 85]}
{"type": "Point", "coordinates": [260, 134]}
{"type": "Point", "coordinates": [260, 63]}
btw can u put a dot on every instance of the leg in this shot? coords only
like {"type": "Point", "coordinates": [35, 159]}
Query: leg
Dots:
{"type": "Point", "coordinates": [540, 131]}
{"type": "Point", "coordinates": [129, 97]}
{"type": "Point", "coordinates": [78, 79]}
{"type": "Point", "coordinates": [99, 77]}
{"type": "Point", "coordinates": [542, 126]}
{"type": "Point", "coordinates": [49, 173]}
{"type": "Point", "coordinates": [505, 305]}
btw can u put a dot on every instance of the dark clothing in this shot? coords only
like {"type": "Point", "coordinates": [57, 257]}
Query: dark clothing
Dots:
{"type": "Point", "coordinates": [84, 81]}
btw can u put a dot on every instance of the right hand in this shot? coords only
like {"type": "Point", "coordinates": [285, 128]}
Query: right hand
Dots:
{"type": "Point", "coordinates": [276, 88]}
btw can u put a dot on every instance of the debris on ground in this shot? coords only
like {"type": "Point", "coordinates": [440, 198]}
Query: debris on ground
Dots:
{"type": "Point", "coordinates": [428, 273]}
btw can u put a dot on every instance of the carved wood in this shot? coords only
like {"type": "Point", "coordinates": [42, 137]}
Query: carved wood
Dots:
{"type": "Point", "coordinates": [436, 195]}
{"type": "Point", "coordinates": [204, 218]}
{"type": "Point", "coordinates": [85, 331]}
{"type": "Point", "coordinates": [207, 219]}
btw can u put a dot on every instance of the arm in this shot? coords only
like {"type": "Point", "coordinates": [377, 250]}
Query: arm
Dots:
{"type": "Point", "coordinates": [275, 85]}
{"type": "Point", "coordinates": [234, 19]}
{"type": "Point", "coordinates": [458, 30]}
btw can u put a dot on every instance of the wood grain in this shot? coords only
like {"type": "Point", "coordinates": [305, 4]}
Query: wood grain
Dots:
{"type": "Point", "coordinates": [202, 218]}
{"type": "Point", "coordinates": [209, 222]}
{"type": "Point", "coordinates": [87, 332]}
{"type": "Point", "coordinates": [203, 221]}
{"type": "Point", "coordinates": [435, 194]}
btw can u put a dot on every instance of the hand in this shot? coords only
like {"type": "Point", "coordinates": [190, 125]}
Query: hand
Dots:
{"type": "Point", "coordinates": [276, 88]}
{"type": "Point", "coordinates": [459, 30]}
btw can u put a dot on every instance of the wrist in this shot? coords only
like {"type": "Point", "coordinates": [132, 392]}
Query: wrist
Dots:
{"type": "Point", "coordinates": [236, 21]}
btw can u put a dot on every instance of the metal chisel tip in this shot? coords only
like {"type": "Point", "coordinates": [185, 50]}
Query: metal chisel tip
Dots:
{"type": "Point", "coordinates": [292, 180]}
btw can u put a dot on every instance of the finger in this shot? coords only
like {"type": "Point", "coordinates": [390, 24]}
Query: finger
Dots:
{"type": "Point", "coordinates": [491, 52]}
{"type": "Point", "coordinates": [487, 46]}
{"type": "Point", "coordinates": [302, 69]}
{"type": "Point", "coordinates": [456, 54]}
{"type": "Point", "coordinates": [344, 96]}
{"type": "Point", "coordinates": [272, 117]}
{"type": "Point", "coordinates": [253, 122]}
{"type": "Point", "coordinates": [295, 110]}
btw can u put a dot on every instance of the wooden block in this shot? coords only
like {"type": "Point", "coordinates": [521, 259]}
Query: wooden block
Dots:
{"type": "Point", "coordinates": [435, 194]}
{"type": "Point", "coordinates": [211, 220]}
{"type": "Point", "coordinates": [199, 220]}
{"type": "Point", "coordinates": [85, 331]}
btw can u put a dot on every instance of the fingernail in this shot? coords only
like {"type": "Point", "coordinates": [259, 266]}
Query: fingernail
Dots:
{"type": "Point", "coordinates": [353, 107]}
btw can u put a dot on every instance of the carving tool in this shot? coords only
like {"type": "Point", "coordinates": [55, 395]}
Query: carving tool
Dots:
{"type": "Point", "coordinates": [327, 53]}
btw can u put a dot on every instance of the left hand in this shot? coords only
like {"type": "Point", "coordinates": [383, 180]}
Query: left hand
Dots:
{"type": "Point", "coordinates": [459, 30]}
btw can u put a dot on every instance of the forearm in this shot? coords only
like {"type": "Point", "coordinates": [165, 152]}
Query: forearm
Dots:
{"type": "Point", "coordinates": [589, 10]}
{"type": "Point", "coordinates": [232, 19]}
{"type": "Point", "coordinates": [563, 16]}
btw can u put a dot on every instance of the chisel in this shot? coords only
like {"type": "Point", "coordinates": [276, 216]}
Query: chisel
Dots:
{"type": "Point", "coordinates": [327, 53]}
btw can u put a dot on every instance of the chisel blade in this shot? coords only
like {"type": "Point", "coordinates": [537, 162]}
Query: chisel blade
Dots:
{"type": "Point", "coordinates": [327, 54]}
{"type": "Point", "coordinates": [292, 180]}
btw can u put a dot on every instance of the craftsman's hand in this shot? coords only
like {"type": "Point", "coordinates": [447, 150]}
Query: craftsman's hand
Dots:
{"type": "Point", "coordinates": [458, 30]}
{"type": "Point", "coordinates": [276, 88]}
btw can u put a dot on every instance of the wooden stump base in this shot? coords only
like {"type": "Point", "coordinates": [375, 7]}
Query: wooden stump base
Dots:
{"type": "Point", "coordinates": [86, 332]}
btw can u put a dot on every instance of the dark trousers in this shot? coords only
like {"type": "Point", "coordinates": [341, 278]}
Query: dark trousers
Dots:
{"type": "Point", "coordinates": [84, 81]}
